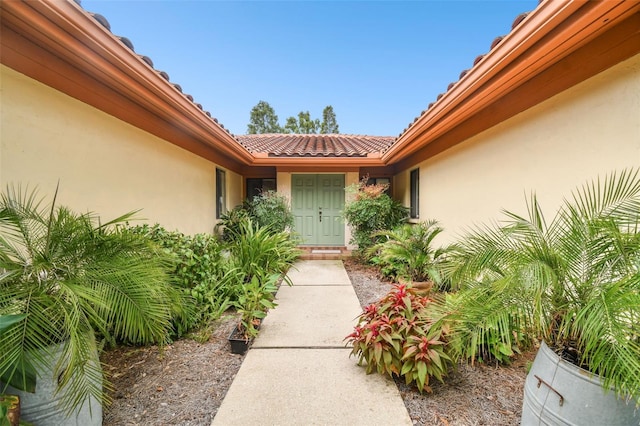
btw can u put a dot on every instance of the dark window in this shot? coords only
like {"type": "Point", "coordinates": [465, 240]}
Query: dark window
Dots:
{"type": "Point", "coordinates": [221, 193]}
{"type": "Point", "coordinates": [256, 186]}
{"type": "Point", "coordinates": [415, 194]}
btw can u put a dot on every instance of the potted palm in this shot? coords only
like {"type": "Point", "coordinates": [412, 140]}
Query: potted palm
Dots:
{"type": "Point", "coordinates": [573, 282]}
{"type": "Point", "coordinates": [65, 277]}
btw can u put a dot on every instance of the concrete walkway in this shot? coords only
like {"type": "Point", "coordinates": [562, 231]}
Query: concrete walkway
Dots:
{"type": "Point", "coordinates": [298, 370]}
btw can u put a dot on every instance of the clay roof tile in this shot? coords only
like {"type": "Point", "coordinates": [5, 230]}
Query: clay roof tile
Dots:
{"type": "Point", "coordinates": [102, 20]}
{"type": "Point", "coordinates": [519, 19]}
{"type": "Point", "coordinates": [126, 42]}
{"type": "Point", "coordinates": [314, 145]}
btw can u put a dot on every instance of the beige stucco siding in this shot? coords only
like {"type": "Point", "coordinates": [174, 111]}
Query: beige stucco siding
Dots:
{"type": "Point", "coordinates": [586, 131]}
{"type": "Point", "coordinates": [235, 194]}
{"type": "Point", "coordinates": [103, 165]}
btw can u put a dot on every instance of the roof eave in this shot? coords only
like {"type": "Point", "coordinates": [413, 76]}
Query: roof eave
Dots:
{"type": "Point", "coordinates": [549, 33]}
{"type": "Point", "coordinates": [76, 41]}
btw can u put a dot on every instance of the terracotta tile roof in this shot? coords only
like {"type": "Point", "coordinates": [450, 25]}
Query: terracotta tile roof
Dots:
{"type": "Point", "coordinates": [315, 145]}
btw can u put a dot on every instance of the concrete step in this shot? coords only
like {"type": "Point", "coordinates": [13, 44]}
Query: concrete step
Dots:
{"type": "Point", "coordinates": [324, 252]}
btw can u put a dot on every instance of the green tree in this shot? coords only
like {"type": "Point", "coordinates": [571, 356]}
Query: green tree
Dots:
{"type": "Point", "coordinates": [303, 124]}
{"type": "Point", "coordinates": [263, 119]}
{"type": "Point", "coordinates": [291, 126]}
{"type": "Point", "coordinates": [306, 124]}
{"type": "Point", "coordinates": [329, 122]}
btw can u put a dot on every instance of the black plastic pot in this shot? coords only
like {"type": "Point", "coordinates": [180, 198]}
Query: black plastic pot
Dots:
{"type": "Point", "coordinates": [239, 344]}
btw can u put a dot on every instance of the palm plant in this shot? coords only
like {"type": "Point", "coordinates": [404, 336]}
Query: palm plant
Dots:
{"type": "Point", "coordinates": [65, 277]}
{"type": "Point", "coordinates": [573, 281]}
{"type": "Point", "coordinates": [407, 252]}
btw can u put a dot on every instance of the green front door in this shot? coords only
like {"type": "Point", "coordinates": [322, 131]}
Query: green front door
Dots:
{"type": "Point", "coordinates": [317, 201]}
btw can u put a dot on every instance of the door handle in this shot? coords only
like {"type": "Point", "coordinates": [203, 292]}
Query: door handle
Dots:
{"type": "Point", "coordinates": [320, 215]}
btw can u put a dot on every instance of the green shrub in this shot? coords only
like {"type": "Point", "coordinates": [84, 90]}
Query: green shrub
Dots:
{"type": "Point", "coordinates": [65, 277]}
{"type": "Point", "coordinates": [202, 272]}
{"type": "Point", "coordinates": [212, 273]}
{"type": "Point", "coordinates": [397, 336]}
{"type": "Point", "coordinates": [230, 221]}
{"type": "Point", "coordinates": [268, 210]}
{"type": "Point", "coordinates": [255, 299]}
{"type": "Point", "coordinates": [572, 280]}
{"type": "Point", "coordinates": [484, 327]}
{"type": "Point", "coordinates": [371, 210]}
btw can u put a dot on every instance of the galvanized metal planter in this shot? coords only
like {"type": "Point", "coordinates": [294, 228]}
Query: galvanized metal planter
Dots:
{"type": "Point", "coordinates": [42, 407]}
{"type": "Point", "coordinates": [557, 392]}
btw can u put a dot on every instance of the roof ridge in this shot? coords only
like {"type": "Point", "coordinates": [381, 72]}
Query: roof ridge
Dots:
{"type": "Point", "coordinates": [338, 135]}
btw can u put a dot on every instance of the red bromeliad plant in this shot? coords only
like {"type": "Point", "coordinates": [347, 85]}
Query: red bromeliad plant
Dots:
{"type": "Point", "coordinates": [396, 336]}
{"type": "Point", "coordinates": [424, 357]}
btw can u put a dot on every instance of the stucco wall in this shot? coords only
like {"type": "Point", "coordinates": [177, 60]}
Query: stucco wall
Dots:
{"type": "Point", "coordinates": [235, 194]}
{"type": "Point", "coordinates": [103, 164]}
{"type": "Point", "coordinates": [586, 131]}
{"type": "Point", "coordinates": [401, 187]}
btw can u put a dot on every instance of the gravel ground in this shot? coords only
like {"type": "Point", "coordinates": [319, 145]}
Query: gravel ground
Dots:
{"type": "Point", "coordinates": [182, 385]}
{"type": "Point", "coordinates": [186, 383]}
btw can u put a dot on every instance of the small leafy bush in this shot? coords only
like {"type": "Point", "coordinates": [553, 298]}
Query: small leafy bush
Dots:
{"type": "Point", "coordinates": [268, 210]}
{"type": "Point", "coordinates": [407, 252]}
{"type": "Point", "coordinates": [371, 210]}
{"type": "Point", "coordinates": [66, 277]}
{"type": "Point", "coordinates": [397, 336]}
{"type": "Point", "coordinates": [229, 224]}
{"type": "Point", "coordinates": [255, 299]}
{"type": "Point", "coordinates": [202, 272]}
{"type": "Point", "coordinates": [483, 327]}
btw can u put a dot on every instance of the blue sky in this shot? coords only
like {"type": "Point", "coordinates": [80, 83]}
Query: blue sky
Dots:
{"type": "Point", "coordinates": [378, 63]}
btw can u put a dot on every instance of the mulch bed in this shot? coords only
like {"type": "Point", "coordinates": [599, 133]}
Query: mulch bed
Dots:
{"type": "Point", "coordinates": [186, 382]}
